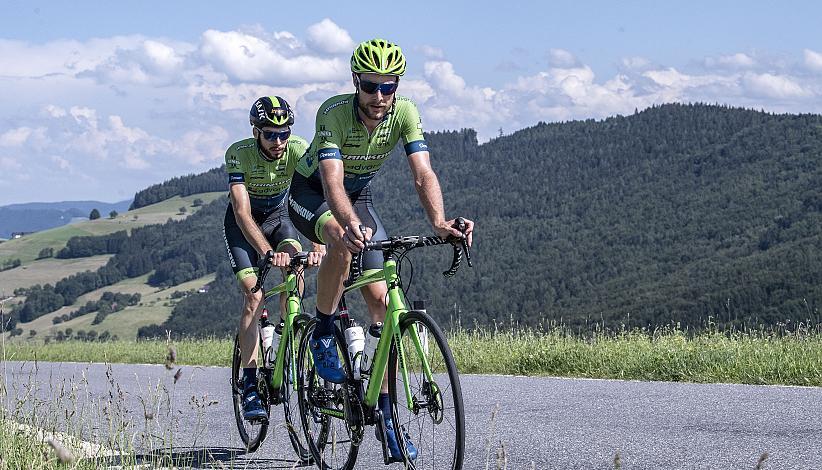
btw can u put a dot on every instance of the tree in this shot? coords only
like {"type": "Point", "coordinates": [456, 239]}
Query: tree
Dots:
{"type": "Point", "coordinates": [95, 214]}
{"type": "Point", "coordinates": [46, 253]}
{"type": "Point", "coordinates": [183, 210]}
{"type": "Point", "coordinates": [112, 215]}
{"type": "Point", "coordinates": [197, 202]}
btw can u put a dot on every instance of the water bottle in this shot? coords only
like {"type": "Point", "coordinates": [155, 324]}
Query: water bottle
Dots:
{"type": "Point", "coordinates": [268, 338]}
{"type": "Point", "coordinates": [355, 340]}
{"type": "Point", "coordinates": [371, 341]}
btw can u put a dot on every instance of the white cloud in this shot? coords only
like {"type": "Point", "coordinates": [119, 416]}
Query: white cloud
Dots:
{"type": "Point", "coordinates": [734, 61]}
{"type": "Point", "coordinates": [21, 59]}
{"type": "Point", "coordinates": [561, 58]}
{"type": "Point", "coordinates": [249, 58]}
{"type": "Point", "coordinates": [813, 60]}
{"type": "Point", "coordinates": [159, 108]}
{"type": "Point", "coordinates": [329, 38]}
{"type": "Point", "coordinates": [84, 115]}
{"type": "Point", "coordinates": [147, 62]}
{"type": "Point", "coordinates": [10, 164]}
{"type": "Point", "coordinates": [54, 111]}
{"type": "Point", "coordinates": [431, 52]}
{"type": "Point", "coordinates": [15, 137]}
{"type": "Point", "coordinates": [635, 63]}
{"type": "Point", "coordinates": [774, 86]}
{"type": "Point", "coordinates": [61, 162]}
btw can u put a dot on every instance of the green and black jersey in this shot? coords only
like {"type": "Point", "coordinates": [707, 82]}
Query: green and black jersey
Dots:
{"type": "Point", "coordinates": [266, 180]}
{"type": "Point", "coordinates": [340, 134]}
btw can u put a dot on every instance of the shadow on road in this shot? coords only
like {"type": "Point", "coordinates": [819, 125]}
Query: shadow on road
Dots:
{"type": "Point", "coordinates": [201, 457]}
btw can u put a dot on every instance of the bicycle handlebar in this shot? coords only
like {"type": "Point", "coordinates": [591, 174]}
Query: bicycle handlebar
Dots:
{"type": "Point", "coordinates": [408, 243]}
{"type": "Point", "coordinates": [264, 266]}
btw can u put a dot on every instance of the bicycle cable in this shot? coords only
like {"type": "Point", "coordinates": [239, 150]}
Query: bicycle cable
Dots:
{"type": "Point", "coordinates": [405, 290]}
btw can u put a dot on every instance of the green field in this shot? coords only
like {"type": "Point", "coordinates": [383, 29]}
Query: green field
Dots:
{"type": "Point", "coordinates": [155, 307]}
{"type": "Point", "coordinates": [47, 271]}
{"type": "Point", "coordinates": [27, 249]}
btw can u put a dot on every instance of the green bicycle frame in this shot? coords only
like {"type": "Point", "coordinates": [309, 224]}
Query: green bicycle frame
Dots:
{"type": "Point", "coordinates": [292, 311]}
{"type": "Point", "coordinates": [391, 331]}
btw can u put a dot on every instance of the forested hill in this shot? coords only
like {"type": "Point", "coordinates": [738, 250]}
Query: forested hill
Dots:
{"type": "Point", "coordinates": [210, 181]}
{"type": "Point", "coordinates": [679, 213]}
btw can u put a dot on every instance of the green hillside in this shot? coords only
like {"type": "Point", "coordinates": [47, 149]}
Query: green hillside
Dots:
{"type": "Point", "coordinates": [155, 306]}
{"type": "Point", "coordinates": [27, 249]}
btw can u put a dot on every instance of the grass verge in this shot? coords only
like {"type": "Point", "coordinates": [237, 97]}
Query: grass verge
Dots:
{"type": "Point", "coordinates": [668, 354]}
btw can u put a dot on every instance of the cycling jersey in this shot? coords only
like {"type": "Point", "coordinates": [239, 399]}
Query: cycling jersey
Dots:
{"type": "Point", "coordinates": [265, 180]}
{"type": "Point", "coordinates": [340, 134]}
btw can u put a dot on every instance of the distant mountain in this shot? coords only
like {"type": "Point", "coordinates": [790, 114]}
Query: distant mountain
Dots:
{"type": "Point", "coordinates": [36, 216]}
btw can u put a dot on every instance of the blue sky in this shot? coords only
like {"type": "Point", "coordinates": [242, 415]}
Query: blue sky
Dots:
{"type": "Point", "coordinates": [101, 99]}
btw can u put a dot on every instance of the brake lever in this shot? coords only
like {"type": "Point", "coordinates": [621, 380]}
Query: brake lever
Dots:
{"type": "Point", "coordinates": [264, 268]}
{"type": "Point", "coordinates": [462, 226]}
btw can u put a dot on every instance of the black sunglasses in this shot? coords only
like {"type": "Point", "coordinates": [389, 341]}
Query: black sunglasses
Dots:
{"type": "Point", "coordinates": [271, 136]}
{"type": "Point", "coordinates": [371, 87]}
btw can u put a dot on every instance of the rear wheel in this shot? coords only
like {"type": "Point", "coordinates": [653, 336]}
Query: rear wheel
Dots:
{"type": "Point", "coordinates": [252, 434]}
{"type": "Point", "coordinates": [322, 410]}
{"type": "Point", "coordinates": [435, 421]}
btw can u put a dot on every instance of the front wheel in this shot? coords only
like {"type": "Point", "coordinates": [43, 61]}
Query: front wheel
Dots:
{"type": "Point", "coordinates": [252, 434]}
{"type": "Point", "coordinates": [435, 419]}
{"type": "Point", "coordinates": [290, 399]}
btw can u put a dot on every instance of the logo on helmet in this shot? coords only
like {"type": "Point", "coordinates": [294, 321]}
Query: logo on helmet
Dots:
{"type": "Point", "coordinates": [260, 110]}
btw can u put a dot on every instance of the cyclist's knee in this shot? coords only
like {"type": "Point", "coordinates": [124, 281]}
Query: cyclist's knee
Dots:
{"type": "Point", "coordinates": [252, 302]}
{"type": "Point", "coordinates": [337, 251]}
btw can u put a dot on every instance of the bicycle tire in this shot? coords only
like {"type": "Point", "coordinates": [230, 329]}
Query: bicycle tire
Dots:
{"type": "Point", "coordinates": [290, 397]}
{"type": "Point", "coordinates": [436, 422]}
{"type": "Point", "coordinates": [324, 433]}
{"type": "Point", "coordinates": [252, 435]}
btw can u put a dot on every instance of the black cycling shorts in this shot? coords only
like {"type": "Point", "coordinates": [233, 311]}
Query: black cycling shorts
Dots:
{"type": "Point", "coordinates": [309, 211]}
{"type": "Point", "coordinates": [277, 229]}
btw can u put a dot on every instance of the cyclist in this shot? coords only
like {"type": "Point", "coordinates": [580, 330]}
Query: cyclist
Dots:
{"type": "Point", "coordinates": [256, 220]}
{"type": "Point", "coordinates": [330, 197]}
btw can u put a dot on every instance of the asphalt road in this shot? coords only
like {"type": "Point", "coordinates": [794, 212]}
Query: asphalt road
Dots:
{"type": "Point", "coordinates": [512, 422]}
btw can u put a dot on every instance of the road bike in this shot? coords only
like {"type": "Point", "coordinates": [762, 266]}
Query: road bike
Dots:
{"type": "Point", "coordinates": [276, 383]}
{"type": "Point", "coordinates": [423, 381]}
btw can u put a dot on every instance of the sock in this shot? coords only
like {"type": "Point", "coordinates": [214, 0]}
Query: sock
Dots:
{"type": "Point", "coordinates": [325, 325]}
{"type": "Point", "coordinates": [249, 377]}
{"type": "Point", "coordinates": [385, 406]}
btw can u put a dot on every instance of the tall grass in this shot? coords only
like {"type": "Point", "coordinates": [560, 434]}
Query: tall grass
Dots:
{"type": "Point", "coordinates": [756, 356]}
{"type": "Point", "coordinates": [762, 356]}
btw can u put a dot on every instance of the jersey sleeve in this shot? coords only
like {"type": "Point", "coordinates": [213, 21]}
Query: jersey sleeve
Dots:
{"type": "Point", "coordinates": [328, 136]}
{"type": "Point", "coordinates": [411, 129]}
{"type": "Point", "coordinates": [296, 149]}
{"type": "Point", "coordinates": [234, 166]}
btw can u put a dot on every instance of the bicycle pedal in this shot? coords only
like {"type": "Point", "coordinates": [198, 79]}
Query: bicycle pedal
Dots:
{"type": "Point", "coordinates": [257, 421]}
{"type": "Point", "coordinates": [379, 429]}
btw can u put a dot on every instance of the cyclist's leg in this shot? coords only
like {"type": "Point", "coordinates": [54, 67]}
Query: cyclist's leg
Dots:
{"type": "Point", "coordinates": [243, 258]}
{"type": "Point", "coordinates": [309, 213]}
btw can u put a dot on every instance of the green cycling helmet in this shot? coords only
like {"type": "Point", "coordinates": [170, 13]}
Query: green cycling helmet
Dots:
{"type": "Point", "coordinates": [378, 56]}
{"type": "Point", "coordinates": [270, 111]}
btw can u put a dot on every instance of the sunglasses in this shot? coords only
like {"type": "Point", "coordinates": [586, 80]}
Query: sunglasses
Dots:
{"type": "Point", "coordinates": [271, 136]}
{"type": "Point", "coordinates": [384, 88]}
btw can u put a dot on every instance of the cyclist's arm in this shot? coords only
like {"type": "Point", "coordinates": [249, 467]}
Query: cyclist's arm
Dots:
{"type": "Point", "coordinates": [241, 205]}
{"type": "Point", "coordinates": [430, 194]}
{"type": "Point", "coordinates": [428, 188]}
